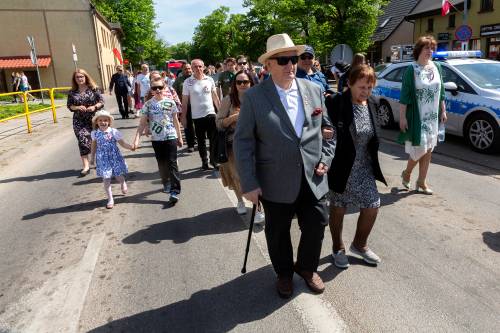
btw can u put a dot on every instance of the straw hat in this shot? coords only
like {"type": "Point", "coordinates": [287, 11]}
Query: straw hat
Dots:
{"type": "Point", "coordinates": [280, 43]}
{"type": "Point", "coordinates": [102, 113]}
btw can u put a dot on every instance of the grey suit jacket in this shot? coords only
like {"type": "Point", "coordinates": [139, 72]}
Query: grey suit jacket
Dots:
{"type": "Point", "coordinates": [268, 152]}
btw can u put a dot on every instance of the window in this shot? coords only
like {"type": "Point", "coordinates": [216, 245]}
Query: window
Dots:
{"type": "Point", "coordinates": [450, 76]}
{"type": "Point", "coordinates": [486, 5]}
{"type": "Point", "coordinates": [451, 21]}
{"type": "Point", "coordinates": [430, 25]}
{"type": "Point", "coordinates": [395, 75]}
{"type": "Point", "coordinates": [383, 24]}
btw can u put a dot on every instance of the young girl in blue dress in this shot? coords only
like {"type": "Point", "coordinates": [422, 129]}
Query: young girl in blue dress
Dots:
{"type": "Point", "coordinates": [109, 160]}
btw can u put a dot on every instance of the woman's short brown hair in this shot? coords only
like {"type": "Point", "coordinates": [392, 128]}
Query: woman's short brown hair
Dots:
{"type": "Point", "coordinates": [421, 43]}
{"type": "Point", "coordinates": [361, 72]}
{"type": "Point", "coordinates": [88, 80]}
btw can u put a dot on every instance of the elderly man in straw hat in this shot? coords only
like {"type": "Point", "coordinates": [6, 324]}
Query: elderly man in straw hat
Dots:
{"type": "Point", "coordinates": [282, 161]}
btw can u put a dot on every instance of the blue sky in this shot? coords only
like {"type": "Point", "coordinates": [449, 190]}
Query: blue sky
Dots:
{"type": "Point", "coordinates": [179, 17]}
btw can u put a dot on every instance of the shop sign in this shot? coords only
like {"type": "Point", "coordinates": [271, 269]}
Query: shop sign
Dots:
{"type": "Point", "coordinates": [443, 36]}
{"type": "Point", "coordinates": [463, 33]}
{"type": "Point", "coordinates": [490, 29]}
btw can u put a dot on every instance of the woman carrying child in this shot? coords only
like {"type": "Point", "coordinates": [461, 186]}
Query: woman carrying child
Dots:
{"type": "Point", "coordinates": [106, 154]}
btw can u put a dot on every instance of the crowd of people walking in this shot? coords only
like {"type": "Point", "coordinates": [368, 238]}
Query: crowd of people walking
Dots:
{"type": "Point", "coordinates": [295, 148]}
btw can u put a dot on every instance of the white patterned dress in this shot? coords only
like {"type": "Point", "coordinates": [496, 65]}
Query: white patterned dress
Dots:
{"type": "Point", "coordinates": [361, 189]}
{"type": "Point", "coordinates": [427, 90]}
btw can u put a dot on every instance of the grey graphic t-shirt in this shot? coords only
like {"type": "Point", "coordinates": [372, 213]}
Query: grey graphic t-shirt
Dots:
{"type": "Point", "coordinates": [161, 118]}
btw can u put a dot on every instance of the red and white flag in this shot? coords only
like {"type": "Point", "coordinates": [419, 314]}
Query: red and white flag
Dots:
{"type": "Point", "coordinates": [445, 7]}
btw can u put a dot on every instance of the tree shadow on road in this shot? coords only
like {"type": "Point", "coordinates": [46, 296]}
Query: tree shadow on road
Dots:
{"type": "Point", "coordinates": [492, 240]}
{"type": "Point", "coordinates": [140, 198]}
{"type": "Point", "coordinates": [221, 221]}
{"type": "Point", "coordinates": [45, 176]}
{"type": "Point", "coordinates": [248, 298]}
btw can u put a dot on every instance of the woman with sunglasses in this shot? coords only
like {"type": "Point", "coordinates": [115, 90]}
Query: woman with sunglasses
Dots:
{"type": "Point", "coordinates": [160, 114]}
{"type": "Point", "coordinates": [226, 119]}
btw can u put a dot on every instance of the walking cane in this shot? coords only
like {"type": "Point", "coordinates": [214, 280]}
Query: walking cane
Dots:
{"type": "Point", "coordinates": [244, 269]}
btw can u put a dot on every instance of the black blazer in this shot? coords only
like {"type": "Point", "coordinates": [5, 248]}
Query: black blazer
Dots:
{"type": "Point", "coordinates": [339, 109]}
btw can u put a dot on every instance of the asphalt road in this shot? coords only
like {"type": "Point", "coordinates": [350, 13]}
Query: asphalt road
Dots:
{"type": "Point", "coordinates": [70, 265]}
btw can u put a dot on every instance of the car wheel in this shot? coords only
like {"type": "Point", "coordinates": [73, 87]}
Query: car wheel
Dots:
{"type": "Point", "coordinates": [385, 117]}
{"type": "Point", "coordinates": [483, 133]}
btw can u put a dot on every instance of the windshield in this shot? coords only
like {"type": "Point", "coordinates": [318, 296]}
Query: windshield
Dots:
{"type": "Point", "coordinates": [486, 75]}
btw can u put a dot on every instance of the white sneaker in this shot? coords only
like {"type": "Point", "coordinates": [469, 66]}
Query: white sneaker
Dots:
{"type": "Point", "coordinates": [259, 217]}
{"type": "Point", "coordinates": [240, 208]}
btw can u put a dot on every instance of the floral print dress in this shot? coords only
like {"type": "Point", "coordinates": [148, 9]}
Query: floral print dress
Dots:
{"type": "Point", "coordinates": [427, 90]}
{"type": "Point", "coordinates": [109, 160]}
{"type": "Point", "coordinates": [82, 121]}
{"type": "Point", "coordinates": [361, 190]}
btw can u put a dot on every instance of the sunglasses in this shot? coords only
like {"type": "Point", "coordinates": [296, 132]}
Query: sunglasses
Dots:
{"type": "Point", "coordinates": [242, 63]}
{"type": "Point", "coordinates": [240, 82]}
{"type": "Point", "coordinates": [156, 88]}
{"type": "Point", "coordinates": [306, 57]}
{"type": "Point", "coordinates": [283, 61]}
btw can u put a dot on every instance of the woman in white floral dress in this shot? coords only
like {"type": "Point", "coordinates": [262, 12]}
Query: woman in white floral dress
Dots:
{"type": "Point", "coordinates": [422, 107]}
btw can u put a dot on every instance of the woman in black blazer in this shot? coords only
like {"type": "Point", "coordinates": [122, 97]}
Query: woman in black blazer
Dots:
{"type": "Point", "coordinates": [355, 166]}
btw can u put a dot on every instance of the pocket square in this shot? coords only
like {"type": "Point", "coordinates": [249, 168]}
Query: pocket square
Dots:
{"type": "Point", "coordinates": [317, 112]}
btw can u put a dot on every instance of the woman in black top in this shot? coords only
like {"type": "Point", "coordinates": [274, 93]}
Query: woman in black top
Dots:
{"type": "Point", "coordinates": [355, 166]}
{"type": "Point", "coordinates": [84, 100]}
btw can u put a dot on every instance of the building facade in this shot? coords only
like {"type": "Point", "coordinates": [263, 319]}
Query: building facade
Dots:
{"type": "Point", "coordinates": [56, 26]}
{"type": "Point", "coordinates": [482, 19]}
{"type": "Point", "coordinates": [393, 33]}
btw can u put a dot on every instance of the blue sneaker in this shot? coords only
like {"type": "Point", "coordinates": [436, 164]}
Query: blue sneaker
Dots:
{"type": "Point", "coordinates": [174, 197]}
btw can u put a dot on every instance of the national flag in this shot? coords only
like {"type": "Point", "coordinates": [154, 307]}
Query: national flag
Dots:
{"type": "Point", "coordinates": [118, 55]}
{"type": "Point", "coordinates": [445, 7]}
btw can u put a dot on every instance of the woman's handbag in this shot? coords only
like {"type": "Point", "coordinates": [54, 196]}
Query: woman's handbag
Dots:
{"type": "Point", "coordinates": [221, 146]}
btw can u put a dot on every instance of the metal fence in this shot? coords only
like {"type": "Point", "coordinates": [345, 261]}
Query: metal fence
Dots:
{"type": "Point", "coordinates": [27, 113]}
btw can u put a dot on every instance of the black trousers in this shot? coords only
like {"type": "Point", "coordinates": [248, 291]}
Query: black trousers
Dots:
{"type": "Point", "coordinates": [122, 100]}
{"type": "Point", "coordinates": [205, 128]}
{"type": "Point", "coordinates": [166, 156]}
{"type": "Point", "coordinates": [312, 215]}
{"type": "Point", "coordinates": [189, 129]}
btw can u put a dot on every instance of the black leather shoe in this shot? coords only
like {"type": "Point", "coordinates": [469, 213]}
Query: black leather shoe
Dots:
{"type": "Point", "coordinates": [83, 173]}
{"type": "Point", "coordinates": [284, 286]}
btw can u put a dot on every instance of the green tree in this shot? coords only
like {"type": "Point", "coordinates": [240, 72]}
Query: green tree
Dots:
{"type": "Point", "coordinates": [136, 18]}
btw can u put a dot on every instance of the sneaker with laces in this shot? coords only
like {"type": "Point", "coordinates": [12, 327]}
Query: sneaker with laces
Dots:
{"type": "Point", "coordinates": [368, 256]}
{"type": "Point", "coordinates": [259, 217]}
{"type": "Point", "coordinates": [174, 197]}
{"type": "Point", "coordinates": [340, 259]}
{"type": "Point", "coordinates": [241, 208]}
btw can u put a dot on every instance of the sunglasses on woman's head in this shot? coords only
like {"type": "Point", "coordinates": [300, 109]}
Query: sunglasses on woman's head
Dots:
{"type": "Point", "coordinates": [242, 63]}
{"type": "Point", "coordinates": [155, 88]}
{"type": "Point", "coordinates": [283, 61]}
{"type": "Point", "coordinates": [240, 82]}
{"type": "Point", "coordinates": [306, 57]}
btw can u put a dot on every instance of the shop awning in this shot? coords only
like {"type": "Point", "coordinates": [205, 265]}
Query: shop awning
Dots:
{"type": "Point", "coordinates": [23, 62]}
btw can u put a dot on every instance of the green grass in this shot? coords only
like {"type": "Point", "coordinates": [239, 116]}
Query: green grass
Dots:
{"type": "Point", "coordinates": [7, 111]}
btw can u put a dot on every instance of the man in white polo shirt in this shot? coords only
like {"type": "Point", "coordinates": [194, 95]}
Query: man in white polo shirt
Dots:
{"type": "Point", "coordinates": [199, 90]}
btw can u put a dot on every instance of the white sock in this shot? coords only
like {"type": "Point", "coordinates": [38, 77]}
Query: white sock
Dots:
{"type": "Point", "coordinates": [107, 189]}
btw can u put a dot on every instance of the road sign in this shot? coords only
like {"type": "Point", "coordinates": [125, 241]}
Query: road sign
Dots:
{"type": "Point", "coordinates": [341, 52]}
{"type": "Point", "coordinates": [463, 33]}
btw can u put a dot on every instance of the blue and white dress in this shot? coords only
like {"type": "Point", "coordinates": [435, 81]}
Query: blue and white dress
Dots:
{"type": "Point", "coordinates": [109, 160]}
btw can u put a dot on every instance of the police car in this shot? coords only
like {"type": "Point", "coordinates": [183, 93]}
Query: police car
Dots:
{"type": "Point", "coordinates": [472, 88]}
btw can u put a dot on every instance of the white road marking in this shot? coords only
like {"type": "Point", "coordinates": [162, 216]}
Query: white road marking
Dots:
{"type": "Point", "coordinates": [57, 305]}
{"type": "Point", "coordinates": [317, 314]}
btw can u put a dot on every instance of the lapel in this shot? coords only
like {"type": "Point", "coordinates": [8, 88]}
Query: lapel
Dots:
{"type": "Point", "coordinates": [278, 108]}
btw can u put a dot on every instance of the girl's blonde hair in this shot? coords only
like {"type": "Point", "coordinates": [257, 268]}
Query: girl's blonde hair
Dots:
{"type": "Point", "coordinates": [88, 80]}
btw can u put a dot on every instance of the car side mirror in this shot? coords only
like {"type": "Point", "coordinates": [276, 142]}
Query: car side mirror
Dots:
{"type": "Point", "coordinates": [451, 87]}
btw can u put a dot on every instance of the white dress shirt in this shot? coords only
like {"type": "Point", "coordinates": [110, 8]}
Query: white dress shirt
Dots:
{"type": "Point", "coordinates": [292, 102]}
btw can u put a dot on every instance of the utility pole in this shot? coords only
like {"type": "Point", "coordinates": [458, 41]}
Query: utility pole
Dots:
{"type": "Point", "coordinates": [34, 60]}
{"type": "Point", "coordinates": [75, 57]}
{"type": "Point", "coordinates": [465, 45]}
